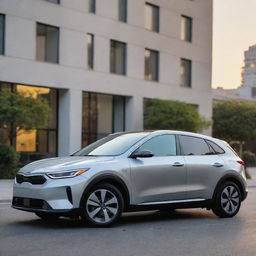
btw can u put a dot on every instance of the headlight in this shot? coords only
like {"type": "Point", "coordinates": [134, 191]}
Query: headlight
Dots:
{"type": "Point", "coordinates": [65, 174]}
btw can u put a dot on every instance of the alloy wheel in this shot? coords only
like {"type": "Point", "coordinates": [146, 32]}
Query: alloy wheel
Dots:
{"type": "Point", "coordinates": [230, 200]}
{"type": "Point", "coordinates": [102, 206]}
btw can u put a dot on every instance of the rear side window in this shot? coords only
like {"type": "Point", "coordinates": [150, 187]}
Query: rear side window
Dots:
{"type": "Point", "coordinates": [163, 145]}
{"type": "Point", "coordinates": [193, 146]}
{"type": "Point", "coordinates": [217, 149]}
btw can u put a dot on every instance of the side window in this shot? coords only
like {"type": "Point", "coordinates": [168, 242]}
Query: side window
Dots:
{"type": "Point", "coordinates": [163, 145]}
{"type": "Point", "coordinates": [194, 146]}
{"type": "Point", "coordinates": [217, 149]}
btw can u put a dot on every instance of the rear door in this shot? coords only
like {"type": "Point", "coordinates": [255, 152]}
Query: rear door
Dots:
{"type": "Point", "coordinates": [204, 166]}
{"type": "Point", "coordinates": [162, 177]}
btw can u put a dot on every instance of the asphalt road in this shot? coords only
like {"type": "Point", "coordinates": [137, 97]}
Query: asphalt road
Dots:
{"type": "Point", "coordinates": [186, 232]}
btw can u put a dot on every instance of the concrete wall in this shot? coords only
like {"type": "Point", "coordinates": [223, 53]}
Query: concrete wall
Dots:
{"type": "Point", "coordinates": [19, 64]}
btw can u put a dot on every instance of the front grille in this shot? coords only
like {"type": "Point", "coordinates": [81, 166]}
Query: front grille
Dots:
{"type": "Point", "coordinates": [30, 203]}
{"type": "Point", "coordinates": [35, 179]}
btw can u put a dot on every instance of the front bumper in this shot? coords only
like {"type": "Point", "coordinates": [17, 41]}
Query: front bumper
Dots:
{"type": "Point", "coordinates": [53, 196]}
{"type": "Point", "coordinates": [37, 205]}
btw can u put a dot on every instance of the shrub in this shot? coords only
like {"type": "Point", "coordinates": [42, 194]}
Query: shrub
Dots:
{"type": "Point", "coordinates": [173, 115]}
{"type": "Point", "coordinates": [9, 160]}
{"type": "Point", "coordinates": [249, 158]}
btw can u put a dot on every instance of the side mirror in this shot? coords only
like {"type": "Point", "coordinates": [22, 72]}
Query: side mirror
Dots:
{"type": "Point", "coordinates": [142, 154]}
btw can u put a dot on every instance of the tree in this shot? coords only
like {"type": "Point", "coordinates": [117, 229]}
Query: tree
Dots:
{"type": "Point", "coordinates": [175, 115]}
{"type": "Point", "coordinates": [20, 111]}
{"type": "Point", "coordinates": [234, 121]}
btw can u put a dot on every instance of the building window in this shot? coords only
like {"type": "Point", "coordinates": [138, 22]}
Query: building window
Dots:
{"type": "Point", "coordinates": [102, 114]}
{"type": "Point", "coordinates": [151, 65]}
{"type": "Point", "coordinates": [152, 17]}
{"type": "Point", "coordinates": [253, 92]}
{"type": "Point", "coordinates": [35, 144]}
{"type": "Point", "coordinates": [90, 50]}
{"type": "Point", "coordinates": [92, 6]}
{"type": "Point", "coordinates": [186, 28]}
{"type": "Point", "coordinates": [47, 40]}
{"type": "Point", "coordinates": [186, 73]}
{"type": "Point", "coordinates": [118, 57]}
{"type": "Point", "coordinates": [54, 1]}
{"type": "Point", "coordinates": [122, 10]}
{"type": "Point", "coordinates": [2, 33]}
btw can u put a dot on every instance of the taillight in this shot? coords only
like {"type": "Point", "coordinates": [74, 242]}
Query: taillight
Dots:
{"type": "Point", "coordinates": [241, 162]}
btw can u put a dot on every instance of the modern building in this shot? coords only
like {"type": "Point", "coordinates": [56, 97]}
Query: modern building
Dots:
{"type": "Point", "coordinates": [220, 94]}
{"type": "Point", "coordinates": [247, 90]}
{"type": "Point", "coordinates": [96, 61]}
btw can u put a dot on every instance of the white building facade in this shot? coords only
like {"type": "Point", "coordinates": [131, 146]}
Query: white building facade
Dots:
{"type": "Point", "coordinates": [96, 61]}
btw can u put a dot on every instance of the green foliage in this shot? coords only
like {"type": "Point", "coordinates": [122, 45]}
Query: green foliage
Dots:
{"type": "Point", "coordinates": [9, 160]}
{"type": "Point", "coordinates": [234, 121]}
{"type": "Point", "coordinates": [173, 115]}
{"type": "Point", "coordinates": [20, 111]}
{"type": "Point", "coordinates": [249, 158]}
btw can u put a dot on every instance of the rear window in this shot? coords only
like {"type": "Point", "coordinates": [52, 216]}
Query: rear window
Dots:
{"type": "Point", "coordinates": [217, 149]}
{"type": "Point", "coordinates": [194, 146]}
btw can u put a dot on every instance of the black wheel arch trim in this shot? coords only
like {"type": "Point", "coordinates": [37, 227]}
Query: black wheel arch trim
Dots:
{"type": "Point", "coordinates": [234, 178]}
{"type": "Point", "coordinates": [112, 179]}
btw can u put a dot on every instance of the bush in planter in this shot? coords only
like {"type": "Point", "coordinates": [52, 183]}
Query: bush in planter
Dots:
{"type": "Point", "coordinates": [250, 160]}
{"type": "Point", "coordinates": [9, 160]}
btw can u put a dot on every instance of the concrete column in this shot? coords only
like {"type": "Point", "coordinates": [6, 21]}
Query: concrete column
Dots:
{"type": "Point", "coordinates": [70, 121]}
{"type": "Point", "coordinates": [134, 113]}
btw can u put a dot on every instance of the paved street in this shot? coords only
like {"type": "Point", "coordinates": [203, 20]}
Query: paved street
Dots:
{"type": "Point", "coordinates": [187, 232]}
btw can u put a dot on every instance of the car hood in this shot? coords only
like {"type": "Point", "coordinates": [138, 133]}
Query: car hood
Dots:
{"type": "Point", "coordinates": [62, 164]}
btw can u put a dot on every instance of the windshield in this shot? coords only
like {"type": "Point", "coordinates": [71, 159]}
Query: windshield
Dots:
{"type": "Point", "coordinates": [112, 145]}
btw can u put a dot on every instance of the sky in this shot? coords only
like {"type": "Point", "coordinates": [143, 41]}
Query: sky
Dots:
{"type": "Point", "coordinates": [234, 30]}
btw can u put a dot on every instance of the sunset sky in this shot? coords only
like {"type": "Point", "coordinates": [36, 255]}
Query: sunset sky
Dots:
{"type": "Point", "coordinates": [234, 31]}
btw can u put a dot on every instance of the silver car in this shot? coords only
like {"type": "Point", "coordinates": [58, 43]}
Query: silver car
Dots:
{"type": "Point", "coordinates": [123, 172]}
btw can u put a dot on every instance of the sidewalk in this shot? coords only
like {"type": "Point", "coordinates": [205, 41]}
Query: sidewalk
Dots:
{"type": "Point", "coordinates": [252, 181]}
{"type": "Point", "coordinates": [6, 186]}
{"type": "Point", "coordinates": [5, 190]}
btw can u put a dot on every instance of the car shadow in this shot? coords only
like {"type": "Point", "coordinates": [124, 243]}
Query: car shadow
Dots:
{"type": "Point", "coordinates": [127, 219]}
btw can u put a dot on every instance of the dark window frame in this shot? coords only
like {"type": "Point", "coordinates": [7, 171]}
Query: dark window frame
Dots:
{"type": "Point", "coordinates": [181, 149]}
{"type": "Point", "coordinates": [122, 16]}
{"type": "Point", "coordinates": [190, 19]}
{"type": "Point", "coordinates": [92, 6]}
{"type": "Point", "coordinates": [213, 150]}
{"type": "Point", "coordinates": [2, 51]}
{"type": "Point", "coordinates": [58, 1]}
{"type": "Point", "coordinates": [112, 71]}
{"type": "Point", "coordinates": [157, 65]}
{"type": "Point", "coordinates": [190, 73]}
{"type": "Point", "coordinates": [90, 61]}
{"type": "Point", "coordinates": [90, 133]}
{"type": "Point", "coordinates": [168, 134]}
{"type": "Point", "coordinates": [13, 88]}
{"type": "Point", "coordinates": [158, 17]}
{"type": "Point", "coordinates": [58, 43]}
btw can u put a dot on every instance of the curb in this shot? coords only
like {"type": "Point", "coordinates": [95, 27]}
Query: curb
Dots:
{"type": "Point", "coordinates": [5, 201]}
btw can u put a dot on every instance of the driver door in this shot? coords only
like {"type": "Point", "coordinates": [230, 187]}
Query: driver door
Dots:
{"type": "Point", "coordinates": [161, 177]}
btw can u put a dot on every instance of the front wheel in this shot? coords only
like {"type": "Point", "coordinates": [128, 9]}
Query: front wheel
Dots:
{"type": "Point", "coordinates": [103, 205]}
{"type": "Point", "coordinates": [228, 200]}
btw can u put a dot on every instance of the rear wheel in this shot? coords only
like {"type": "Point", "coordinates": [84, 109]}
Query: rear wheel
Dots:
{"type": "Point", "coordinates": [103, 205]}
{"type": "Point", "coordinates": [47, 216]}
{"type": "Point", "coordinates": [228, 200]}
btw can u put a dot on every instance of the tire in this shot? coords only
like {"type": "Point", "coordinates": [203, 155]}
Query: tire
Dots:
{"type": "Point", "coordinates": [47, 216]}
{"type": "Point", "coordinates": [103, 205]}
{"type": "Point", "coordinates": [227, 201]}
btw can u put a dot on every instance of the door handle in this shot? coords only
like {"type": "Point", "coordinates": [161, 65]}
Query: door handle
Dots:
{"type": "Point", "coordinates": [177, 164]}
{"type": "Point", "coordinates": [217, 165]}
